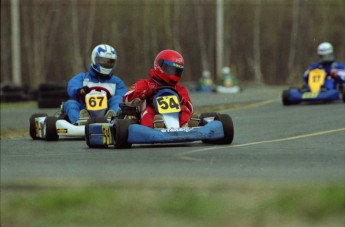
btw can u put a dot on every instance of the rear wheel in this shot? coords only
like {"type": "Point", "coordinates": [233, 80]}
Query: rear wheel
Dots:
{"type": "Point", "coordinates": [228, 129]}
{"type": "Point", "coordinates": [51, 133]}
{"type": "Point", "coordinates": [33, 129]}
{"type": "Point", "coordinates": [87, 131]}
{"type": "Point", "coordinates": [120, 130]}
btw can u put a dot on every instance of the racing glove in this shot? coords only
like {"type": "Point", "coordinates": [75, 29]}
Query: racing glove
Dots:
{"type": "Point", "coordinates": [333, 74]}
{"type": "Point", "coordinates": [84, 90]}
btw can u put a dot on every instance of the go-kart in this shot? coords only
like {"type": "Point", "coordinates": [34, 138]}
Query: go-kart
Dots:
{"type": "Point", "coordinates": [213, 128]}
{"type": "Point", "coordinates": [318, 89]}
{"type": "Point", "coordinates": [51, 128]}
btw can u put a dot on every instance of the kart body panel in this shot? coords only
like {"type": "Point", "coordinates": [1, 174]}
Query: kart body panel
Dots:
{"type": "Point", "coordinates": [318, 89]}
{"type": "Point", "coordinates": [123, 132]}
{"type": "Point", "coordinates": [52, 128]}
{"type": "Point", "coordinates": [296, 95]}
{"type": "Point", "coordinates": [139, 134]}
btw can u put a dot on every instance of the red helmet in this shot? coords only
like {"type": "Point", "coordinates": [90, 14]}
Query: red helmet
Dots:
{"type": "Point", "coordinates": [168, 67]}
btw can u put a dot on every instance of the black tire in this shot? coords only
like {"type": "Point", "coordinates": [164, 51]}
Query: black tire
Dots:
{"type": "Point", "coordinates": [205, 115]}
{"type": "Point", "coordinates": [32, 127]}
{"type": "Point", "coordinates": [55, 94]}
{"type": "Point", "coordinates": [343, 94]}
{"type": "Point", "coordinates": [285, 98]}
{"type": "Point", "coordinates": [51, 87]}
{"type": "Point", "coordinates": [49, 103]}
{"type": "Point", "coordinates": [120, 131]}
{"type": "Point", "coordinates": [51, 133]}
{"type": "Point", "coordinates": [87, 131]}
{"type": "Point", "coordinates": [14, 96]}
{"type": "Point", "coordinates": [228, 128]}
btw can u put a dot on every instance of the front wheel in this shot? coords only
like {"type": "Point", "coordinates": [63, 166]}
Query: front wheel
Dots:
{"type": "Point", "coordinates": [87, 131]}
{"type": "Point", "coordinates": [120, 130]}
{"type": "Point", "coordinates": [228, 128]}
{"type": "Point", "coordinates": [33, 127]}
{"type": "Point", "coordinates": [50, 126]}
{"type": "Point", "coordinates": [285, 98]}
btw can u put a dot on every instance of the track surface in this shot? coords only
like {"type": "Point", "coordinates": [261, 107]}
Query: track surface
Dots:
{"type": "Point", "coordinates": [303, 143]}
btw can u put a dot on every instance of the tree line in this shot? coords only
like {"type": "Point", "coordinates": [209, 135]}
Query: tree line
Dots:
{"type": "Point", "coordinates": [267, 41]}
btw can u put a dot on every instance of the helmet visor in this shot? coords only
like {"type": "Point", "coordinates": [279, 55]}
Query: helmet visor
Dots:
{"type": "Point", "coordinates": [171, 68]}
{"type": "Point", "coordinates": [327, 57]}
{"type": "Point", "coordinates": [105, 62]}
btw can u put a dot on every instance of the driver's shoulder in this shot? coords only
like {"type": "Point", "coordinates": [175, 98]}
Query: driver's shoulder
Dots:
{"type": "Point", "coordinates": [339, 65]}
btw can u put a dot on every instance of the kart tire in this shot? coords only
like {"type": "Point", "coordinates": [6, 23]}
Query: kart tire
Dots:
{"type": "Point", "coordinates": [62, 94]}
{"type": "Point", "coordinates": [285, 98]}
{"type": "Point", "coordinates": [206, 115]}
{"type": "Point", "coordinates": [52, 87]}
{"type": "Point", "coordinates": [51, 133]}
{"type": "Point", "coordinates": [120, 131]}
{"type": "Point", "coordinates": [32, 127]}
{"type": "Point", "coordinates": [87, 131]}
{"type": "Point", "coordinates": [228, 128]}
{"type": "Point", "coordinates": [49, 102]}
{"type": "Point", "coordinates": [343, 94]}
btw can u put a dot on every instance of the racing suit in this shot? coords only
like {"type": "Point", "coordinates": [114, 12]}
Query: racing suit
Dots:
{"type": "Point", "coordinates": [141, 94]}
{"type": "Point", "coordinates": [114, 85]}
{"type": "Point", "coordinates": [334, 68]}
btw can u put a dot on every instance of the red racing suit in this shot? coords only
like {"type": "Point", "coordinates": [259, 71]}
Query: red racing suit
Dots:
{"type": "Point", "coordinates": [141, 94]}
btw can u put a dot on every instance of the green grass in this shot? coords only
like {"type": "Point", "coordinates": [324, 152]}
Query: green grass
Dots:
{"type": "Point", "coordinates": [176, 204]}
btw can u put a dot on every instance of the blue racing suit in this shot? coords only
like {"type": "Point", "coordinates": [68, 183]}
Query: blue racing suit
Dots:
{"type": "Point", "coordinates": [336, 67]}
{"type": "Point", "coordinates": [114, 85]}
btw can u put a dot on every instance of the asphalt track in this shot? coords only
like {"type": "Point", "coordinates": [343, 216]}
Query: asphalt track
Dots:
{"type": "Point", "coordinates": [272, 143]}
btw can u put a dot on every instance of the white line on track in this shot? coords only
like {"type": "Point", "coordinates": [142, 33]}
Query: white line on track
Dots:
{"type": "Point", "coordinates": [184, 155]}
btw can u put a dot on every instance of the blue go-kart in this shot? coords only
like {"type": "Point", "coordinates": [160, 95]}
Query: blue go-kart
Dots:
{"type": "Point", "coordinates": [125, 130]}
{"type": "Point", "coordinates": [319, 89]}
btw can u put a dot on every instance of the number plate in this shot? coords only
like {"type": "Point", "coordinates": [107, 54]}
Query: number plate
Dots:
{"type": "Point", "coordinates": [168, 104]}
{"type": "Point", "coordinates": [96, 102]}
{"type": "Point", "coordinates": [316, 79]}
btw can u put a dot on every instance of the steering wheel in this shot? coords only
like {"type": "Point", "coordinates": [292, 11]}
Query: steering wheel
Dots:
{"type": "Point", "coordinates": [99, 88]}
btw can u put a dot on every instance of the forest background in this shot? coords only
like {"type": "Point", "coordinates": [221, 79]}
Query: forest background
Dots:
{"type": "Point", "coordinates": [265, 41]}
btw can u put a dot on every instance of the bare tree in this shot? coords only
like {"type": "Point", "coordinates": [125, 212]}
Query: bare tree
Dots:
{"type": "Point", "coordinates": [77, 65]}
{"type": "Point", "coordinates": [293, 41]}
{"type": "Point", "coordinates": [39, 35]}
{"type": "Point", "coordinates": [201, 35]}
{"type": "Point", "coordinates": [176, 30]}
{"type": "Point", "coordinates": [89, 31]}
{"type": "Point", "coordinates": [256, 45]}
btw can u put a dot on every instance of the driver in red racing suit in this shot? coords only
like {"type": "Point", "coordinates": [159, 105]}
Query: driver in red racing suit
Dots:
{"type": "Point", "coordinates": [167, 71]}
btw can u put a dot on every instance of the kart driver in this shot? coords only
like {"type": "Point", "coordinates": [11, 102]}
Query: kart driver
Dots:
{"type": "Point", "coordinates": [167, 71]}
{"type": "Point", "coordinates": [100, 74]}
{"type": "Point", "coordinates": [333, 68]}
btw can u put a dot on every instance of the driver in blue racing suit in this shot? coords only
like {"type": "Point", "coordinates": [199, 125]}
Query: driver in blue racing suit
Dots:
{"type": "Point", "coordinates": [100, 74]}
{"type": "Point", "coordinates": [334, 69]}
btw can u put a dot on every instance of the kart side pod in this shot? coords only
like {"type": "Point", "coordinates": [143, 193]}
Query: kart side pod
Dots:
{"type": "Point", "coordinates": [214, 129]}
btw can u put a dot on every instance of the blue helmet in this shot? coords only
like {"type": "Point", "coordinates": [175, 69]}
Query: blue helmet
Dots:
{"type": "Point", "coordinates": [103, 59]}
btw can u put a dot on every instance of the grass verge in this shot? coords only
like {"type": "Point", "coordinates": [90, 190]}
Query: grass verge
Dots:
{"type": "Point", "coordinates": [178, 203]}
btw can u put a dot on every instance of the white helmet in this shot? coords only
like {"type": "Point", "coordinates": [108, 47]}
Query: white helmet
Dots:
{"type": "Point", "coordinates": [325, 51]}
{"type": "Point", "coordinates": [103, 59]}
{"type": "Point", "coordinates": [226, 70]}
{"type": "Point", "coordinates": [206, 74]}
